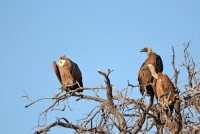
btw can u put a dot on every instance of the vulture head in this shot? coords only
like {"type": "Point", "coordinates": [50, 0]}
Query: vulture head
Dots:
{"type": "Point", "coordinates": [62, 60]}
{"type": "Point", "coordinates": [151, 68]}
{"type": "Point", "coordinates": [146, 49]}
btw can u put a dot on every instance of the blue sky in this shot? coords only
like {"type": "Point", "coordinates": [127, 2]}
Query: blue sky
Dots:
{"type": "Point", "coordinates": [93, 33]}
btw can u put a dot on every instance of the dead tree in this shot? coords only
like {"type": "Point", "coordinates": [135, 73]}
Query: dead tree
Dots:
{"type": "Point", "coordinates": [117, 112]}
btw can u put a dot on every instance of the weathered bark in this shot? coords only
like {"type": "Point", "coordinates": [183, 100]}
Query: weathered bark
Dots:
{"type": "Point", "coordinates": [110, 104]}
{"type": "Point", "coordinates": [141, 119]}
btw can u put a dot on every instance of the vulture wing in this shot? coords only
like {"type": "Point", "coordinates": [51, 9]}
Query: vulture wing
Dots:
{"type": "Point", "coordinates": [145, 78]}
{"type": "Point", "coordinates": [159, 64]}
{"type": "Point", "coordinates": [168, 86]}
{"type": "Point", "coordinates": [77, 76]}
{"type": "Point", "coordinates": [56, 70]}
{"type": "Point", "coordinates": [76, 73]}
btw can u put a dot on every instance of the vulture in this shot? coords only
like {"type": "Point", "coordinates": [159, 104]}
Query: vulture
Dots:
{"type": "Point", "coordinates": [164, 89]}
{"type": "Point", "coordinates": [145, 78]}
{"type": "Point", "coordinates": [68, 73]}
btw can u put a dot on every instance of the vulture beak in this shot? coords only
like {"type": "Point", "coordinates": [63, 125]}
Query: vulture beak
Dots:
{"type": "Point", "coordinates": [144, 50]}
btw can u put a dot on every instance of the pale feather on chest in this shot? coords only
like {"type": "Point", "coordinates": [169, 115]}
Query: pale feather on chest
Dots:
{"type": "Point", "coordinates": [65, 72]}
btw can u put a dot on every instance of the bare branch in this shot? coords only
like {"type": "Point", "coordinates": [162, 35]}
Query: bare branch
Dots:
{"type": "Point", "coordinates": [69, 125]}
{"type": "Point", "coordinates": [110, 104]}
{"type": "Point", "coordinates": [142, 117]}
{"type": "Point", "coordinates": [176, 72]}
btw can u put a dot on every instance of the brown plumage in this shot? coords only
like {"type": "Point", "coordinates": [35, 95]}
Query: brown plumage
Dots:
{"type": "Point", "coordinates": [163, 87]}
{"type": "Point", "coordinates": [144, 77]}
{"type": "Point", "coordinates": [68, 73]}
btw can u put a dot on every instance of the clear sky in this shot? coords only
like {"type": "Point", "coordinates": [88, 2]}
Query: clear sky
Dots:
{"type": "Point", "coordinates": [93, 33]}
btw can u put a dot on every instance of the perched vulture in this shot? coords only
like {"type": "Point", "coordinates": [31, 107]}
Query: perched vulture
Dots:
{"type": "Point", "coordinates": [68, 73]}
{"type": "Point", "coordinates": [144, 77]}
{"type": "Point", "coordinates": [163, 87]}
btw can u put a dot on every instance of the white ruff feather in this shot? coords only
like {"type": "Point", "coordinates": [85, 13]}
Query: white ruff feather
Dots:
{"type": "Point", "coordinates": [61, 62]}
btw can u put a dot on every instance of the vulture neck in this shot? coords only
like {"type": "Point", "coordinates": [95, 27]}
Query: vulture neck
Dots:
{"type": "Point", "coordinates": [155, 75]}
{"type": "Point", "coordinates": [153, 71]}
{"type": "Point", "coordinates": [149, 52]}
